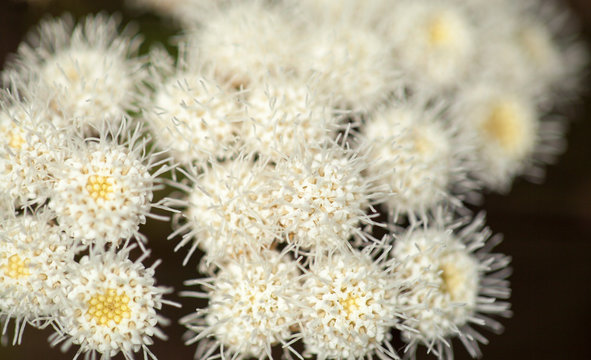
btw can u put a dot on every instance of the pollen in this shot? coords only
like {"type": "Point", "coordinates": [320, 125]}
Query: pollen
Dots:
{"type": "Point", "coordinates": [439, 31]}
{"type": "Point", "coordinates": [503, 125]}
{"type": "Point", "coordinates": [349, 304]}
{"type": "Point", "coordinates": [99, 186]}
{"type": "Point", "coordinates": [15, 141]}
{"type": "Point", "coordinates": [16, 267]}
{"type": "Point", "coordinates": [107, 306]}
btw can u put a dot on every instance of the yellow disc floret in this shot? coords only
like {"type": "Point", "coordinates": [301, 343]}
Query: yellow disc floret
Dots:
{"type": "Point", "coordinates": [454, 280]}
{"type": "Point", "coordinates": [439, 31]}
{"type": "Point", "coordinates": [107, 306]}
{"type": "Point", "coordinates": [16, 267]}
{"type": "Point", "coordinates": [99, 186]}
{"type": "Point", "coordinates": [504, 125]}
{"type": "Point", "coordinates": [15, 141]}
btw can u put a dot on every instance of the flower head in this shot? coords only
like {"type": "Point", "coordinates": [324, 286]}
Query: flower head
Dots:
{"type": "Point", "coordinates": [431, 43]}
{"type": "Point", "coordinates": [464, 280]}
{"type": "Point", "coordinates": [104, 190]}
{"type": "Point", "coordinates": [229, 210]}
{"type": "Point", "coordinates": [323, 197]}
{"type": "Point", "coordinates": [507, 133]}
{"type": "Point", "coordinates": [282, 114]}
{"type": "Point", "coordinates": [34, 255]}
{"type": "Point", "coordinates": [247, 41]}
{"type": "Point", "coordinates": [251, 307]}
{"type": "Point", "coordinates": [111, 305]}
{"type": "Point", "coordinates": [195, 117]}
{"type": "Point", "coordinates": [82, 71]}
{"type": "Point", "coordinates": [348, 308]}
{"type": "Point", "coordinates": [419, 156]}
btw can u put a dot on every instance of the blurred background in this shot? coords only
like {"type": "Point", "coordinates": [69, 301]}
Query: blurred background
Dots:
{"type": "Point", "coordinates": [547, 228]}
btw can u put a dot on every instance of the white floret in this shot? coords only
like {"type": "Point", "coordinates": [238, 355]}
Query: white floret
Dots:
{"type": "Point", "coordinates": [111, 306]}
{"type": "Point", "coordinates": [464, 284]}
{"type": "Point", "coordinates": [247, 41]}
{"type": "Point", "coordinates": [508, 137]}
{"type": "Point", "coordinates": [229, 210]}
{"type": "Point", "coordinates": [348, 308]}
{"type": "Point", "coordinates": [195, 118]}
{"type": "Point", "coordinates": [323, 197]}
{"type": "Point", "coordinates": [103, 191]}
{"type": "Point", "coordinates": [281, 114]}
{"type": "Point", "coordinates": [252, 306]}
{"type": "Point", "coordinates": [413, 150]}
{"type": "Point", "coordinates": [352, 64]}
{"type": "Point", "coordinates": [433, 44]}
{"type": "Point", "coordinates": [88, 73]}
{"type": "Point", "coordinates": [29, 149]}
{"type": "Point", "coordinates": [34, 255]}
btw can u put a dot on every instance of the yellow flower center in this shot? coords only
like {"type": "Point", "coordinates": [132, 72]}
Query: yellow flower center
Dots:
{"type": "Point", "coordinates": [16, 267]}
{"type": "Point", "coordinates": [15, 141]}
{"type": "Point", "coordinates": [349, 304]}
{"type": "Point", "coordinates": [453, 280]}
{"type": "Point", "coordinates": [503, 125]}
{"type": "Point", "coordinates": [439, 31]}
{"type": "Point", "coordinates": [108, 306]}
{"type": "Point", "coordinates": [99, 186]}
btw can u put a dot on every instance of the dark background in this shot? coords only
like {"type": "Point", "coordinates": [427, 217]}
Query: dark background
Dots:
{"type": "Point", "coordinates": [547, 228]}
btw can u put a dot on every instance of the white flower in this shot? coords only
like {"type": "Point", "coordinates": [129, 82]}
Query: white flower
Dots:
{"type": "Point", "coordinates": [352, 64]}
{"type": "Point", "coordinates": [417, 154]}
{"type": "Point", "coordinates": [29, 149]}
{"type": "Point", "coordinates": [104, 190]}
{"type": "Point", "coordinates": [348, 307]}
{"type": "Point", "coordinates": [464, 282]}
{"type": "Point", "coordinates": [505, 130]}
{"type": "Point", "coordinates": [431, 43]}
{"type": "Point", "coordinates": [281, 114]}
{"type": "Point", "coordinates": [323, 197]}
{"type": "Point", "coordinates": [229, 210]}
{"type": "Point", "coordinates": [194, 117]}
{"type": "Point", "coordinates": [88, 72]}
{"type": "Point", "coordinates": [34, 255]}
{"type": "Point", "coordinates": [111, 306]}
{"type": "Point", "coordinates": [531, 45]}
{"type": "Point", "coordinates": [251, 307]}
{"type": "Point", "coordinates": [247, 41]}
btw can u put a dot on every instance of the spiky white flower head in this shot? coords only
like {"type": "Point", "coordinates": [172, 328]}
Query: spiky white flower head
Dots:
{"type": "Point", "coordinates": [28, 150]}
{"type": "Point", "coordinates": [506, 132]}
{"type": "Point", "coordinates": [82, 70]}
{"type": "Point", "coordinates": [104, 190]}
{"type": "Point", "coordinates": [464, 280]}
{"type": "Point", "coordinates": [194, 116]}
{"type": "Point", "coordinates": [323, 197]}
{"type": "Point", "coordinates": [282, 114]}
{"type": "Point", "coordinates": [111, 306]}
{"type": "Point", "coordinates": [352, 64]}
{"type": "Point", "coordinates": [431, 43]}
{"type": "Point", "coordinates": [348, 307]}
{"type": "Point", "coordinates": [247, 41]}
{"type": "Point", "coordinates": [533, 45]}
{"type": "Point", "coordinates": [229, 210]}
{"type": "Point", "coordinates": [252, 306]}
{"type": "Point", "coordinates": [417, 155]}
{"type": "Point", "coordinates": [34, 254]}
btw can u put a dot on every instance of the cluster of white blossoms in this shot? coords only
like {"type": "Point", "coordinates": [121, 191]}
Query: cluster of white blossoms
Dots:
{"type": "Point", "coordinates": [325, 159]}
{"type": "Point", "coordinates": [77, 183]}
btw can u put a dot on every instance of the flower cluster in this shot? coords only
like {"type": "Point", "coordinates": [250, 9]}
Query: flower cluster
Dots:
{"type": "Point", "coordinates": [77, 183]}
{"type": "Point", "coordinates": [324, 157]}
